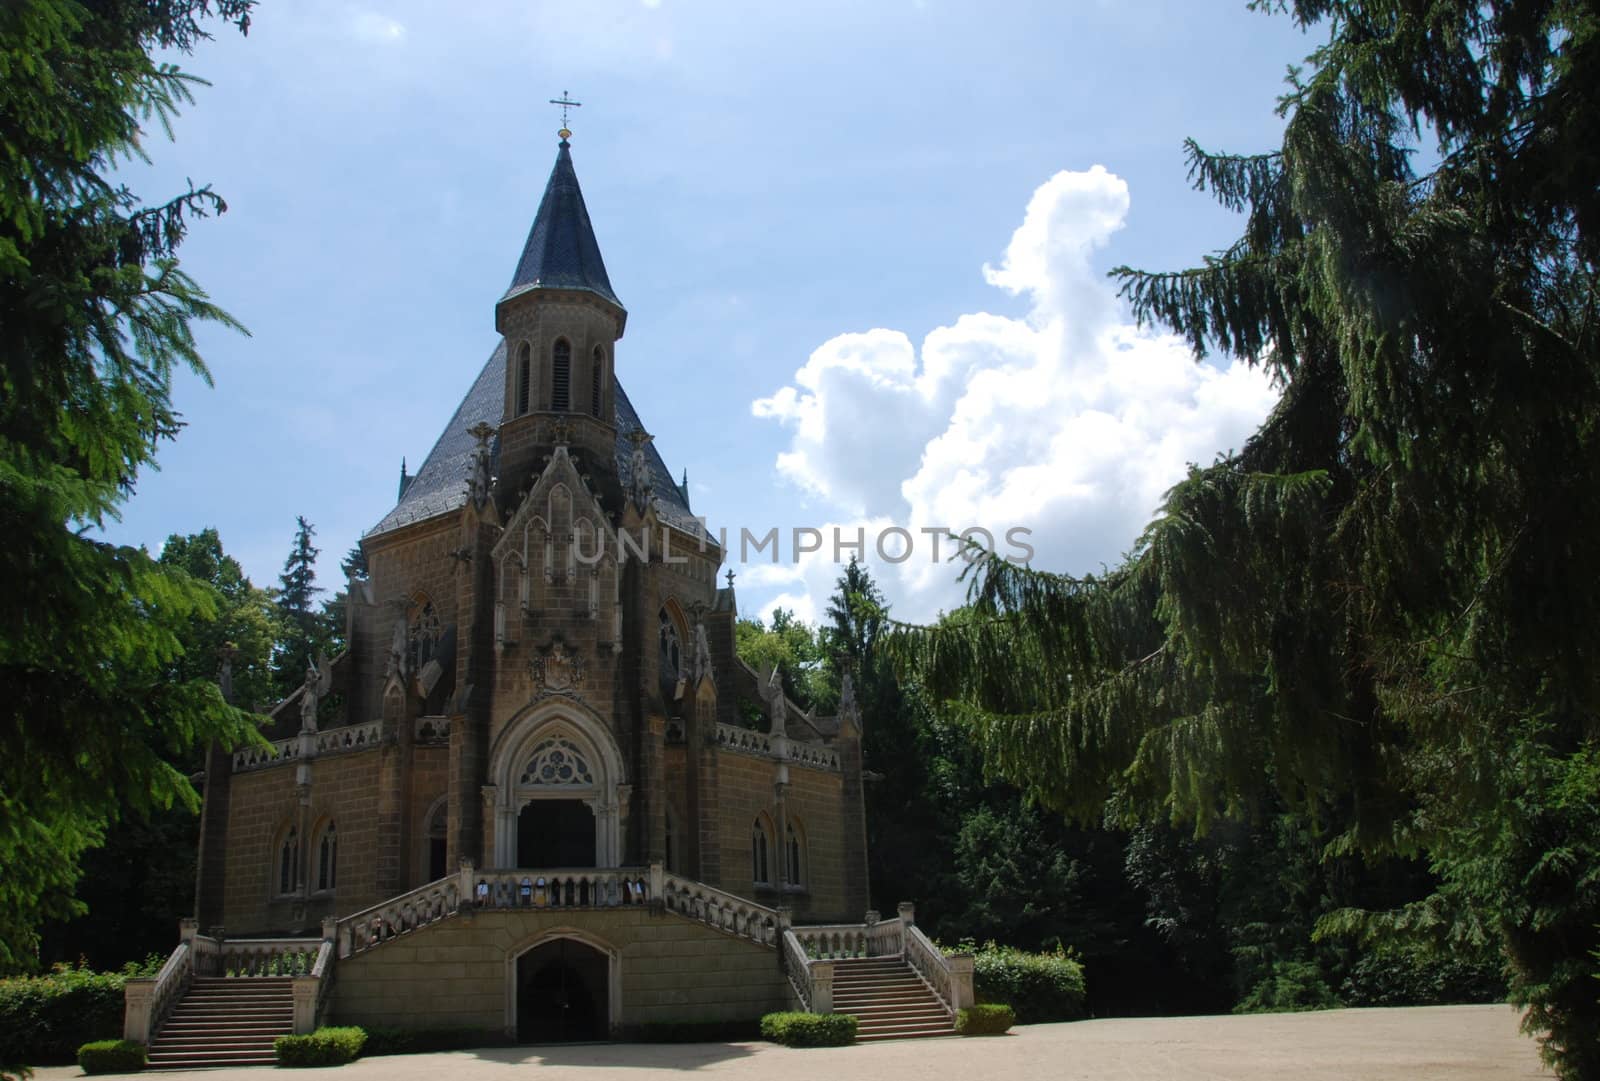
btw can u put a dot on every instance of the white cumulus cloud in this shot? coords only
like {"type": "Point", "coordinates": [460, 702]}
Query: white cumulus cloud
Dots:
{"type": "Point", "coordinates": [1070, 422]}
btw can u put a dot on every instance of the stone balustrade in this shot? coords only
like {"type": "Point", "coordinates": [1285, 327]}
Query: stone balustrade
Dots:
{"type": "Point", "coordinates": [833, 941]}
{"type": "Point", "coordinates": [247, 957]}
{"type": "Point", "coordinates": [426, 904]}
{"type": "Point", "coordinates": [812, 982]}
{"type": "Point", "coordinates": [431, 730]}
{"type": "Point", "coordinates": [274, 753]}
{"type": "Point", "coordinates": [350, 737]}
{"type": "Point", "coordinates": [809, 954]}
{"type": "Point", "coordinates": [720, 910]}
{"type": "Point", "coordinates": [147, 1001]}
{"type": "Point", "coordinates": [731, 737]}
{"type": "Point", "coordinates": [588, 887]}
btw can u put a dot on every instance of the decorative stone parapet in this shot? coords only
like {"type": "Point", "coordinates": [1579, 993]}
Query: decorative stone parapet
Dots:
{"type": "Point", "coordinates": [350, 737]}
{"type": "Point", "coordinates": [731, 737]}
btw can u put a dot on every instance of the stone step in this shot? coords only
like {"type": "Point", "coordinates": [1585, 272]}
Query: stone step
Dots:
{"type": "Point", "coordinates": [880, 1028]}
{"type": "Point", "coordinates": [251, 1023]}
{"type": "Point", "coordinates": [190, 1059]}
{"type": "Point", "coordinates": [925, 1034]}
{"type": "Point", "coordinates": [844, 1003]}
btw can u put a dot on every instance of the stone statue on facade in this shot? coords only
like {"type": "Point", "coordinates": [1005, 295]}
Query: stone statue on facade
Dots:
{"type": "Point", "coordinates": [772, 692]}
{"type": "Point", "coordinates": [702, 653]}
{"type": "Point", "coordinates": [398, 661]}
{"type": "Point", "coordinates": [318, 681]}
{"type": "Point", "coordinates": [479, 479]}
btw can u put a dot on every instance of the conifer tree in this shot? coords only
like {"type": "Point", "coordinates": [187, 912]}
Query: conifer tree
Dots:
{"type": "Point", "coordinates": [1382, 608]}
{"type": "Point", "coordinates": [95, 315]}
{"type": "Point", "coordinates": [303, 632]}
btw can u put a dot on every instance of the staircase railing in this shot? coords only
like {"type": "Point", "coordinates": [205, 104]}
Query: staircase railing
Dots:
{"type": "Point", "coordinates": [811, 979]}
{"type": "Point", "coordinates": [721, 910]}
{"type": "Point", "coordinates": [311, 990]}
{"type": "Point", "coordinates": [426, 904]}
{"type": "Point", "coordinates": [148, 1002]}
{"type": "Point", "coordinates": [810, 953]}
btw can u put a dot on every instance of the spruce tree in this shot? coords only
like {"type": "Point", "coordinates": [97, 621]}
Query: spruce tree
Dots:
{"type": "Point", "coordinates": [303, 631]}
{"type": "Point", "coordinates": [1381, 609]}
{"type": "Point", "coordinates": [95, 316]}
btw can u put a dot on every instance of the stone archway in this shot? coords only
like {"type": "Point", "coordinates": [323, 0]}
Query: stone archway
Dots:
{"type": "Point", "coordinates": [562, 759]}
{"type": "Point", "coordinates": [563, 986]}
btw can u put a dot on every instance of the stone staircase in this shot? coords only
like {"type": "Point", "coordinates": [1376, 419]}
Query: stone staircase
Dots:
{"type": "Point", "coordinates": [225, 1021]}
{"type": "Point", "coordinates": [889, 999]}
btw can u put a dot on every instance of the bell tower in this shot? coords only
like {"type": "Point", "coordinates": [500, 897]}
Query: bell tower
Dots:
{"type": "Point", "coordinates": [561, 321]}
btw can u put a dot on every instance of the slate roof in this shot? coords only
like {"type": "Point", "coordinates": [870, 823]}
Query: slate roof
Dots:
{"type": "Point", "coordinates": [440, 486]}
{"type": "Point", "coordinates": [561, 252]}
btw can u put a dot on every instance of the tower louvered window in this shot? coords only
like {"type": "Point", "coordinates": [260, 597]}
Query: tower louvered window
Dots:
{"type": "Point", "coordinates": [524, 379]}
{"type": "Point", "coordinates": [561, 378]}
{"type": "Point", "coordinates": [594, 381]}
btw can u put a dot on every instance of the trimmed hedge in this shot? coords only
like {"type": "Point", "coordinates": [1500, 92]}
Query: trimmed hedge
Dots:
{"type": "Point", "coordinates": [327, 1046]}
{"type": "Point", "coordinates": [1039, 986]}
{"type": "Point", "coordinates": [794, 1029]}
{"type": "Point", "coordinates": [111, 1056]}
{"type": "Point", "coordinates": [45, 1019]}
{"type": "Point", "coordinates": [985, 1019]}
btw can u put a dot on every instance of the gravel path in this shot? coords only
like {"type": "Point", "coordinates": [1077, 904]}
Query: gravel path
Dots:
{"type": "Point", "coordinates": [1461, 1043]}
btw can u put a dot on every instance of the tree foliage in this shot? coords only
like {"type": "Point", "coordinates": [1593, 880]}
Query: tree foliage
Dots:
{"type": "Point", "coordinates": [95, 315]}
{"type": "Point", "coordinates": [1379, 613]}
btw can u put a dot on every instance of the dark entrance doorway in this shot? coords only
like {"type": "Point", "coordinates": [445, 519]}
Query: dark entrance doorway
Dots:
{"type": "Point", "coordinates": [562, 993]}
{"type": "Point", "coordinates": [555, 833]}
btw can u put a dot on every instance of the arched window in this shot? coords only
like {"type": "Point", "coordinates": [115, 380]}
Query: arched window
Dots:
{"type": "Point", "coordinates": [425, 631]}
{"type": "Point", "coordinates": [561, 376]}
{"type": "Point", "coordinates": [760, 849]}
{"type": "Point", "coordinates": [437, 823]}
{"type": "Point", "coordinates": [595, 371]}
{"type": "Point", "coordinates": [328, 858]}
{"type": "Point", "coordinates": [524, 378]}
{"type": "Point", "coordinates": [288, 861]}
{"type": "Point", "coordinates": [794, 856]}
{"type": "Point", "coordinates": [671, 657]}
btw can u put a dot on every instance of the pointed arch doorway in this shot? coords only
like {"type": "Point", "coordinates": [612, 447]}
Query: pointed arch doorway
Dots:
{"type": "Point", "coordinates": [558, 791]}
{"type": "Point", "coordinates": [563, 993]}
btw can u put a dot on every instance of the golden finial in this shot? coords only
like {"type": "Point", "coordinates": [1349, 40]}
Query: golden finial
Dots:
{"type": "Point", "coordinates": [566, 102]}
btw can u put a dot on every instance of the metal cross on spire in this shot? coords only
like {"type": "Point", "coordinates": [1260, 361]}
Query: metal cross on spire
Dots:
{"type": "Point", "coordinates": [566, 102]}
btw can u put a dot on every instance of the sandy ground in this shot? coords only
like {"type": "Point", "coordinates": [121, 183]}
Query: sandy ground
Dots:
{"type": "Point", "coordinates": [1463, 1043]}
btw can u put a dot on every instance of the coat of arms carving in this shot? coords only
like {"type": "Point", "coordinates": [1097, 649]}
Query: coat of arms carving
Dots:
{"type": "Point", "coordinates": [557, 670]}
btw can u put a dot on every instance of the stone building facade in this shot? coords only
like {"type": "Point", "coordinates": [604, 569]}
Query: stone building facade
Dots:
{"type": "Point", "coordinates": [540, 694]}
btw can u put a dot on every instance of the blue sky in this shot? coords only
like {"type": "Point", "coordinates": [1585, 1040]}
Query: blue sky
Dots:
{"type": "Point", "coordinates": [862, 247]}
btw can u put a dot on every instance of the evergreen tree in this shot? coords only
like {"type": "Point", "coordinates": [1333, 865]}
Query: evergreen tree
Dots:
{"type": "Point", "coordinates": [95, 315]}
{"type": "Point", "coordinates": [303, 628]}
{"type": "Point", "coordinates": [1380, 610]}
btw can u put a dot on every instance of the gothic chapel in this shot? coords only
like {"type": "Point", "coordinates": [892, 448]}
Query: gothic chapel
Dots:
{"type": "Point", "coordinates": [530, 798]}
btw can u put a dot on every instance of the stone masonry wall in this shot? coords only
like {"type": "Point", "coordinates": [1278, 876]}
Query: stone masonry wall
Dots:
{"type": "Point", "coordinates": [460, 973]}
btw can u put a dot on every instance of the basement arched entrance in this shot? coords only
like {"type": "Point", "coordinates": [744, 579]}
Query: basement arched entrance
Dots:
{"type": "Point", "coordinates": [563, 993]}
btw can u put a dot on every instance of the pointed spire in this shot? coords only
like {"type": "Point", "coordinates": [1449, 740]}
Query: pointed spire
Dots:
{"type": "Point", "coordinates": [405, 481]}
{"type": "Point", "coordinates": [684, 489]}
{"type": "Point", "coordinates": [561, 252]}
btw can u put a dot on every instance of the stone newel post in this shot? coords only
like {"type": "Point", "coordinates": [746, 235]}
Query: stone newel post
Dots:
{"type": "Point", "coordinates": [821, 986]}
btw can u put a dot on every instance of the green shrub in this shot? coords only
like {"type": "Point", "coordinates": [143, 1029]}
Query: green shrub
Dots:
{"type": "Point", "coordinates": [45, 1019]}
{"type": "Point", "coordinates": [1039, 986]}
{"type": "Point", "coordinates": [985, 1019]}
{"type": "Point", "coordinates": [1288, 987]}
{"type": "Point", "coordinates": [111, 1056]}
{"type": "Point", "coordinates": [325, 1047]}
{"type": "Point", "coordinates": [1409, 978]}
{"type": "Point", "coordinates": [809, 1029]}
{"type": "Point", "coordinates": [421, 1041]}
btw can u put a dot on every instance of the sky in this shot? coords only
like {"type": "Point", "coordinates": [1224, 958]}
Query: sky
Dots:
{"type": "Point", "coordinates": [863, 248]}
